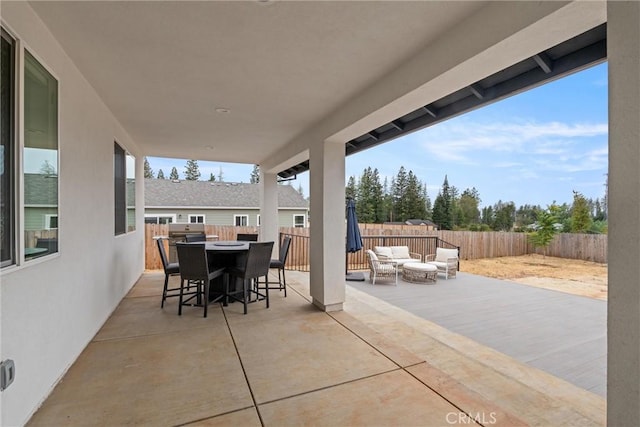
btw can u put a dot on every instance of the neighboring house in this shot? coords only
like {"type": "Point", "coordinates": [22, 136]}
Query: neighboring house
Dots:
{"type": "Point", "coordinates": [430, 225]}
{"type": "Point", "coordinates": [218, 203]}
{"type": "Point", "coordinates": [40, 202]}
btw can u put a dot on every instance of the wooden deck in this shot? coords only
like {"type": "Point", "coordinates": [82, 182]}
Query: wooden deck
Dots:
{"type": "Point", "coordinates": [562, 334]}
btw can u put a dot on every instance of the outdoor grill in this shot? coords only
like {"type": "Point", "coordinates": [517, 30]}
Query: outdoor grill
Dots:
{"type": "Point", "coordinates": [177, 233]}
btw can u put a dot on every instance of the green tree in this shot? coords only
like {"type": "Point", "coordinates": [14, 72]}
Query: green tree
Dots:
{"type": "Point", "coordinates": [174, 173]}
{"type": "Point", "coordinates": [148, 172]}
{"type": "Point", "coordinates": [545, 228]}
{"type": "Point", "coordinates": [192, 171]}
{"type": "Point", "coordinates": [504, 214]}
{"type": "Point", "coordinates": [160, 174]}
{"type": "Point", "coordinates": [414, 201]}
{"type": "Point", "coordinates": [255, 175]}
{"type": "Point", "coordinates": [468, 207]}
{"type": "Point", "coordinates": [581, 220]}
{"type": "Point", "coordinates": [443, 207]}
{"type": "Point", "coordinates": [399, 188]}
{"type": "Point", "coordinates": [368, 196]}
{"type": "Point", "coordinates": [212, 177]}
{"type": "Point", "coordinates": [351, 190]}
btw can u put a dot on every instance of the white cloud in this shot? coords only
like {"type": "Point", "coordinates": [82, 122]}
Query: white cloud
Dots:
{"type": "Point", "coordinates": [464, 139]}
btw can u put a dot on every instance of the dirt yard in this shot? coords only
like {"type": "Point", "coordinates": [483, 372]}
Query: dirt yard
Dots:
{"type": "Point", "coordinates": [565, 275]}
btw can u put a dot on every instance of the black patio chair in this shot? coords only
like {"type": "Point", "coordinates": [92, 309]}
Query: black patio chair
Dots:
{"type": "Point", "coordinates": [200, 237]}
{"type": "Point", "coordinates": [170, 269]}
{"type": "Point", "coordinates": [194, 270]}
{"type": "Point", "coordinates": [242, 237]}
{"type": "Point", "coordinates": [256, 265]}
{"type": "Point", "coordinates": [279, 264]}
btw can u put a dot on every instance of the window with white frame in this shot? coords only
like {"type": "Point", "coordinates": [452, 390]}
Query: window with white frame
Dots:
{"type": "Point", "coordinates": [196, 219]}
{"type": "Point", "coordinates": [8, 148]}
{"type": "Point", "coordinates": [241, 220]}
{"type": "Point", "coordinates": [40, 155]}
{"type": "Point", "coordinates": [159, 219]}
{"type": "Point", "coordinates": [299, 221]}
{"type": "Point", "coordinates": [51, 222]}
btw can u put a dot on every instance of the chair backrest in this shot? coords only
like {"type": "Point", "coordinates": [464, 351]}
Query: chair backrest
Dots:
{"type": "Point", "coordinates": [371, 256]}
{"type": "Point", "coordinates": [163, 254]}
{"type": "Point", "coordinates": [51, 244]}
{"type": "Point", "coordinates": [247, 237]}
{"type": "Point", "coordinates": [200, 237]}
{"type": "Point", "coordinates": [193, 261]}
{"type": "Point", "coordinates": [284, 249]}
{"type": "Point", "coordinates": [443, 254]}
{"type": "Point", "coordinates": [258, 260]}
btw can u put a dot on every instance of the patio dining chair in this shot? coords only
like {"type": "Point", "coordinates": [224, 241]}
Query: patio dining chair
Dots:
{"type": "Point", "coordinates": [199, 237]}
{"type": "Point", "coordinates": [195, 272]}
{"type": "Point", "coordinates": [244, 237]}
{"type": "Point", "coordinates": [256, 265]}
{"type": "Point", "coordinates": [170, 269]}
{"type": "Point", "coordinates": [279, 264]}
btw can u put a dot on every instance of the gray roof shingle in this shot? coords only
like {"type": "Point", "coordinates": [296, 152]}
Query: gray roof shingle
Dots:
{"type": "Point", "coordinates": [168, 193]}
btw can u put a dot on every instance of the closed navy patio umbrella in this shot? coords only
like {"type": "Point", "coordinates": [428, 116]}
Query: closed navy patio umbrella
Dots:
{"type": "Point", "coordinates": [354, 240]}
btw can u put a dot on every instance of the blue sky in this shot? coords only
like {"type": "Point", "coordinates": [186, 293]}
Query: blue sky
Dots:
{"type": "Point", "coordinates": [533, 148]}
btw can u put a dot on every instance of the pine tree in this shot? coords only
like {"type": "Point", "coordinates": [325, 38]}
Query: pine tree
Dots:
{"type": "Point", "coordinates": [414, 200]}
{"type": "Point", "coordinates": [192, 171]}
{"type": "Point", "coordinates": [160, 174]}
{"type": "Point", "coordinates": [220, 175]}
{"type": "Point", "coordinates": [399, 189]}
{"type": "Point", "coordinates": [255, 175]}
{"type": "Point", "coordinates": [351, 189]}
{"type": "Point", "coordinates": [212, 177]}
{"type": "Point", "coordinates": [300, 190]}
{"type": "Point", "coordinates": [443, 207]}
{"type": "Point", "coordinates": [148, 172]}
{"type": "Point", "coordinates": [174, 174]}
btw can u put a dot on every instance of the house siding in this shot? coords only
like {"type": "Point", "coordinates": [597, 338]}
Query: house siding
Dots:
{"type": "Point", "coordinates": [226, 216]}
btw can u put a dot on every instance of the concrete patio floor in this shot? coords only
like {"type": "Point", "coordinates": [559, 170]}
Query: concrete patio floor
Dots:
{"type": "Point", "coordinates": [372, 364]}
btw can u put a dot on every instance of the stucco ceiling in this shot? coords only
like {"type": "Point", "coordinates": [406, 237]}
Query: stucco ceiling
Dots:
{"type": "Point", "coordinates": [165, 68]}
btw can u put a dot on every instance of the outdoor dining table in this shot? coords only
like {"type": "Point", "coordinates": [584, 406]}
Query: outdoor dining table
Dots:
{"type": "Point", "coordinates": [227, 254]}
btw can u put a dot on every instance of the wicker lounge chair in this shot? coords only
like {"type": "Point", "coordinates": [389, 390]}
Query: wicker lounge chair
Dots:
{"type": "Point", "coordinates": [381, 270]}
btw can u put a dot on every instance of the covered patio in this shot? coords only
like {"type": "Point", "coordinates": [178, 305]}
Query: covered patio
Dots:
{"type": "Point", "coordinates": [370, 364]}
{"type": "Point", "coordinates": [292, 87]}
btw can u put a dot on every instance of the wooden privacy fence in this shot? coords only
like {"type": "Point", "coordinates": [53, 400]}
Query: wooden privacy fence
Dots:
{"type": "Point", "coordinates": [472, 244]}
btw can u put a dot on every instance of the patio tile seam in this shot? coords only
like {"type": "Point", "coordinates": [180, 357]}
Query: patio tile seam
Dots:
{"type": "Point", "coordinates": [216, 416]}
{"type": "Point", "coordinates": [303, 393]}
{"type": "Point", "coordinates": [244, 371]}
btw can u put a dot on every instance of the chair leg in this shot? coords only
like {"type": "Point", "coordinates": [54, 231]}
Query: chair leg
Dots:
{"type": "Point", "coordinates": [266, 291]}
{"type": "Point", "coordinates": [180, 300]}
{"type": "Point", "coordinates": [284, 282]}
{"type": "Point", "coordinates": [245, 291]}
{"type": "Point", "coordinates": [206, 297]}
{"type": "Point", "coordinates": [164, 290]}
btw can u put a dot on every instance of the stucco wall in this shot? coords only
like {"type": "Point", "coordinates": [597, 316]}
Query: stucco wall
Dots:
{"type": "Point", "coordinates": [52, 307]}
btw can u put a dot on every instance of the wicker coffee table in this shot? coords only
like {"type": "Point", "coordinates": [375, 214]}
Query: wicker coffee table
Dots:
{"type": "Point", "coordinates": [418, 272]}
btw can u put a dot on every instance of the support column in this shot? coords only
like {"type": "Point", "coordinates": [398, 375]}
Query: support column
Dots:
{"type": "Point", "coordinates": [327, 234]}
{"type": "Point", "coordinates": [623, 333]}
{"type": "Point", "coordinates": [269, 227]}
